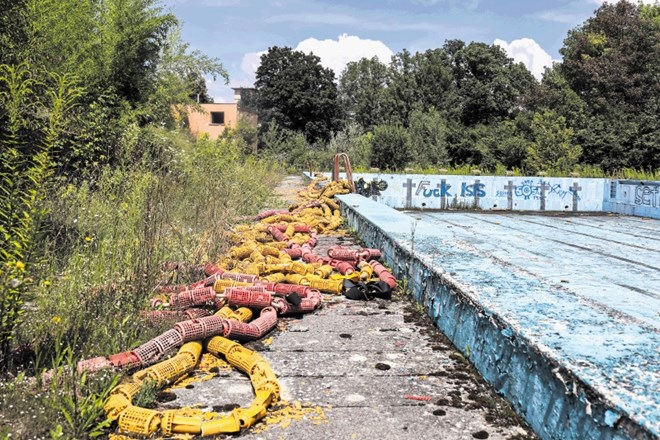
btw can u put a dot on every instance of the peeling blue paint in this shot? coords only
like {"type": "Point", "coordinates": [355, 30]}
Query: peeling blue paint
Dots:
{"type": "Point", "coordinates": [611, 417]}
{"type": "Point", "coordinates": [577, 357]}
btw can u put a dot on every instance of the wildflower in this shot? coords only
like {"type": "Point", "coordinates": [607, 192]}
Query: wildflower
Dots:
{"type": "Point", "coordinates": [20, 266]}
{"type": "Point", "coordinates": [56, 320]}
{"type": "Point", "coordinates": [88, 239]}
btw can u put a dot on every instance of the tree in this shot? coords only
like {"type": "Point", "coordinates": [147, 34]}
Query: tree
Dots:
{"type": "Point", "coordinates": [295, 92]}
{"type": "Point", "coordinates": [613, 59]}
{"type": "Point", "coordinates": [390, 147]}
{"type": "Point", "coordinates": [179, 78]}
{"type": "Point", "coordinates": [198, 92]}
{"type": "Point", "coordinates": [402, 94]}
{"type": "Point", "coordinates": [127, 53]}
{"type": "Point", "coordinates": [612, 63]}
{"type": "Point", "coordinates": [284, 145]}
{"type": "Point", "coordinates": [420, 81]}
{"type": "Point", "coordinates": [554, 93]}
{"type": "Point", "coordinates": [434, 83]}
{"type": "Point", "coordinates": [428, 137]}
{"type": "Point", "coordinates": [470, 145]}
{"type": "Point", "coordinates": [362, 92]}
{"type": "Point", "coordinates": [108, 44]}
{"type": "Point", "coordinates": [552, 146]}
{"type": "Point", "coordinates": [512, 141]}
{"type": "Point", "coordinates": [140, 30]}
{"type": "Point", "coordinates": [489, 85]}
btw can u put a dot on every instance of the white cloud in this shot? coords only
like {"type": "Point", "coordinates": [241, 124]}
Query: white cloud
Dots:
{"type": "Point", "coordinates": [528, 52]}
{"type": "Point", "coordinates": [219, 90]}
{"type": "Point", "coordinates": [250, 63]}
{"type": "Point", "coordinates": [335, 54]}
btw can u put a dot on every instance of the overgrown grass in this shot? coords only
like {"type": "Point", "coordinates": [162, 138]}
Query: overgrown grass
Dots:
{"type": "Point", "coordinates": [107, 242]}
{"type": "Point", "coordinates": [589, 171]}
{"type": "Point", "coordinates": [70, 406]}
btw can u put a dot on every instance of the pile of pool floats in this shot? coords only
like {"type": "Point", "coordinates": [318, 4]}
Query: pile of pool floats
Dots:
{"type": "Point", "coordinates": [270, 271]}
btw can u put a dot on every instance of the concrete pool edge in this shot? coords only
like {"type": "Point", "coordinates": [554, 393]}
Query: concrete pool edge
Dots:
{"type": "Point", "coordinates": [554, 401]}
{"type": "Point", "coordinates": [505, 194]}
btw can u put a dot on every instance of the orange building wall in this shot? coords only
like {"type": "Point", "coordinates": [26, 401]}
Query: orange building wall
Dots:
{"type": "Point", "coordinates": [199, 122]}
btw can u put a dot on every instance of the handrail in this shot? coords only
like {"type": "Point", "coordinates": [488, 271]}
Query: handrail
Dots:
{"type": "Point", "coordinates": [347, 167]}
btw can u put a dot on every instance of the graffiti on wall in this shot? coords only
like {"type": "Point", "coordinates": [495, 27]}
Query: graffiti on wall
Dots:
{"type": "Point", "coordinates": [647, 195]}
{"type": "Point", "coordinates": [527, 189]}
{"type": "Point", "coordinates": [370, 189]}
{"type": "Point", "coordinates": [443, 188]}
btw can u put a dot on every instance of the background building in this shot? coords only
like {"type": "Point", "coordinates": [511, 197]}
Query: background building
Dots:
{"type": "Point", "coordinates": [215, 118]}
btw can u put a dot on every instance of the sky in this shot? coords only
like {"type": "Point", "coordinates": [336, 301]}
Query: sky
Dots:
{"type": "Point", "coordinates": [237, 32]}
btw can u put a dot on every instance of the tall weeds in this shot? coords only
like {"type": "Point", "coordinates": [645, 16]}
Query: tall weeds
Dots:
{"type": "Point", "coordinates": [98, 247]}
{"type": "Point", "coordinates": [23, 175]}
{"type": "Point", "coordinates": [109, 238]}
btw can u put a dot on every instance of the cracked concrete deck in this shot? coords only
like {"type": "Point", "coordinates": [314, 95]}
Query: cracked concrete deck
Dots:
{"type": "Point", "coordinates": [559, 313]}
{"type": "Point", "coordinates": [364, 365]}
{"type": "Point", "coordinates": [359, 370]}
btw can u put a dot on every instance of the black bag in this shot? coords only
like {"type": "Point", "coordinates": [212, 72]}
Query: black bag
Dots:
{"type": "Point", "coordinates": [367, 291]}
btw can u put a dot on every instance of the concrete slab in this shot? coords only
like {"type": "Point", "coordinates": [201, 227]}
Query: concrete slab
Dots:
{"type": "Point", "coordinates": [424, 422]}
{"type": "Point", "coordinates": [616, 271]}
{"type": "Point", "coordinates": [362, 370]}
{"type": "Point", "coordinates": [560, 314]}
{"type": "Point", "coordinates": [365, 370]}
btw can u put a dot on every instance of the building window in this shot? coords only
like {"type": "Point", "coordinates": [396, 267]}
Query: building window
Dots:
{"type": "Point", "coordinates": [217, 118]}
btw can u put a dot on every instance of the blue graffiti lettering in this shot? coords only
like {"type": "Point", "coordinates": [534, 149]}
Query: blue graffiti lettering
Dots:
{"type": "Point", "coordinates": [441, 191]}
{"type": "Point", "coordinates": [473, 190]}
{"type": "Point", "coordinates": [527, 189]}
{"type": "Point", "coordinates": [559, 191]}
{"type": "Point", "coordinates": [444, 189]}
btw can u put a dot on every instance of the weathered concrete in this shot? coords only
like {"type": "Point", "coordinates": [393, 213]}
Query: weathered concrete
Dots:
{"type": "Point", "coordinates": [361, 365]}
{"type": "Point", "coordinates": [559, 314]}
{"type": "Point", "coordinates": [499, 193]}
{"type": "Point", "coordinates": [634, 197]}
{"type": "Point", "coordinates": [496, 193]}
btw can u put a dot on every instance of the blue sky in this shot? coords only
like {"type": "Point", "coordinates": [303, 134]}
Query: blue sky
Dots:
{"type": "Point", "coordinates": [237, 31]}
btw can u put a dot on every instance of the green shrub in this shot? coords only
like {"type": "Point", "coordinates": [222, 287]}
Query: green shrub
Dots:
{"type": "Point", "coordinates": [552, 146]}
{"type": "Point", "coordinates": [352, 141]}
{"type": "Point", "coordinates": [390, 147]}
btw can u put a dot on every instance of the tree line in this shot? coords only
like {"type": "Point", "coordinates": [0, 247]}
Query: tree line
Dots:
{"type": "Point", "coordinates": [470, 104]}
